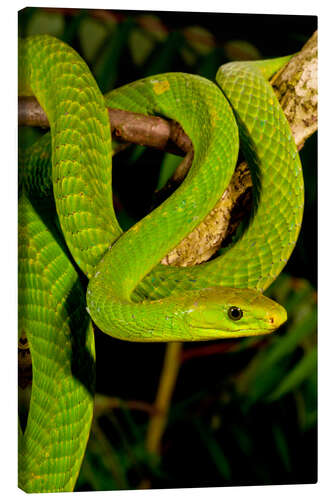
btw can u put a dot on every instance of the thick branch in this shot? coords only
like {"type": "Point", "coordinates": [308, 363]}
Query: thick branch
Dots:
{"type": "Point", "coordinates": [296, 88]}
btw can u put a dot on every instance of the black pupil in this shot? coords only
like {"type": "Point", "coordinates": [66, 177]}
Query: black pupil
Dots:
{"type": "Point", "coordinates": [235, 313]}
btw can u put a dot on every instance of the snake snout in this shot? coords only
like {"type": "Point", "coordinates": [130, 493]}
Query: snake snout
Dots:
{"type": "Point", "coordinates": [277, 317]}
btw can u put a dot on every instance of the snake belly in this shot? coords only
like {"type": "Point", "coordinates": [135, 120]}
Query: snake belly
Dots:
{"type": "Point", "coordinates": [130, 295]}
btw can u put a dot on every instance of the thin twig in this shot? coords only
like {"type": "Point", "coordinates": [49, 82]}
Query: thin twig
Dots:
{"type": "Point", "coordinates": [166, 386]}
{"type": "Point", "coordinates": [106, 403]}
{"type": "Point", "coordinates": [225, 217]}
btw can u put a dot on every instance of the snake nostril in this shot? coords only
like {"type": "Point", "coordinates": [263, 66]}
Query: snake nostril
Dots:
{"type": "Point", "coordinates": [271, 320]}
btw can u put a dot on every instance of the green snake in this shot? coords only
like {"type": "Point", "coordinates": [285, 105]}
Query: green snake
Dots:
{"type": "Point", "coordinates": [130, 295]}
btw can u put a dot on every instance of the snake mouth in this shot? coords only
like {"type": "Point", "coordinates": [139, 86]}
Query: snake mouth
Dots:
{"type": "Point", "coordinates": [212, 333]}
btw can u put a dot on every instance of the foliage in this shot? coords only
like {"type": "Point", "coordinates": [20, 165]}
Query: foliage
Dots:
{"type": "Point", "coordinates": [242, 412]}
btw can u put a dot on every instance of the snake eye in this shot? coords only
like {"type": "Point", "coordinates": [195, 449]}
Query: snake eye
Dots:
{"type": "Point", "coordinates": [235, 313]}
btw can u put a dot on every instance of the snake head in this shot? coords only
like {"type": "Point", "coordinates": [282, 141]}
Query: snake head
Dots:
{"type": "Point", "coordinates": [233, 312]}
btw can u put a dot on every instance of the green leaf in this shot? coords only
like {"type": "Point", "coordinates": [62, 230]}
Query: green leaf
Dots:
{"type": "Point", "coordinates": [285, 345]}
{"type": "Point", "coordinates": [141, 46]}
{"type": "Point", "coordinates": [169, 164]}
{"type": "Point", "coordinates": [92, 33]}
{"type": "Point", "coordinates": [153, 27]}
{"type": "Point", "coordinates": [200, 39]}
{"type": "Point", "coordinates": [165, 54]}
{"type": "Point", "coordinates": [301, 371]}
{"type": "Point", "coordinates": [241, 50]}
{"type": "Point", "coordinates": [243, 439]}
{"type": "Point", "coordinates": [136, 153]}
{"type": "Point", "coordinates": [263, 384]}
{"type": "Point", "coordinates": [50, 23]}
{"type": "Point", "coordinates": [106, 70]}
{"type": "Point", "coordinates": [282, 446]}
{"type": "Point", "coordinates": [214, 449]}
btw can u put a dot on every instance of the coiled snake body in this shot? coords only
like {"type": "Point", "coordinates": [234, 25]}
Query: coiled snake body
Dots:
{"type": "Point", "coordinates": [130, 295]}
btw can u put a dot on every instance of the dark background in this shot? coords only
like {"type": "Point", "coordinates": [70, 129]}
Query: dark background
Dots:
{"type": "Point", "coordinates": [245, 412]}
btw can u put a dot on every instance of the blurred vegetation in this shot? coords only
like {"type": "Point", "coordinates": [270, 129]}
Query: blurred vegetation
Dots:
{"type": "Point", "coordinates": [242, 412]}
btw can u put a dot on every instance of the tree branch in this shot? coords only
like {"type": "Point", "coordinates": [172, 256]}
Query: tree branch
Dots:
{"type": "Point", "coordinates": [126, 126]}
{"type": "Point", "coordinates": [296, 87]}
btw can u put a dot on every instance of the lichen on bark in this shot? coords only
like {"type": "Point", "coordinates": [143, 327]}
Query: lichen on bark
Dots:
{"type": "Point", "coordinates": [296, 87]}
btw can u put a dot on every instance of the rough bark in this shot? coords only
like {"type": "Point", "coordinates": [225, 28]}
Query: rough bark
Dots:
{"type": "Point", "coordinates": [297, 90]}
{"type": "Point", "coordinates": [296, 87]}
